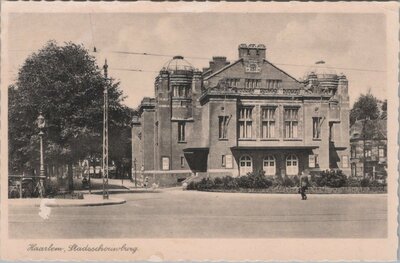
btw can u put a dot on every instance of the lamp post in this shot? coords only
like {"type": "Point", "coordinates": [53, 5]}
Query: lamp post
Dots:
{"type": "Point", "coordinates": [41, 124]}
{"type": "Point", "coordinates": [134, 164]}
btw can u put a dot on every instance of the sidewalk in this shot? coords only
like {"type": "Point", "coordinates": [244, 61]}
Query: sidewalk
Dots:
{"type": "Point", "coordinates": [89, 200]}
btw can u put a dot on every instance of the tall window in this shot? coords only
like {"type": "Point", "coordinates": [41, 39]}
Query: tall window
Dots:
{"type": "Point", "coordinates": [180, 91]}
{"type": "Point", "coordinates": [223, 160]}
{"type": "Point", "coordinates": [182, 161]}
{"type": "Point", "coordinates": [223, 127]}
{"type": "Point", "coordinates": [268, 123]}
{"type": "Point", "coordinates": [368, 152]}
{"type": "Point", "coordinates": [181, 131]}
{"type": "Point", "coordinates": [291, 122]}
{"type": "Point", "coordinates": [292, 165]}
{"type": "Point", "coordinates": [353, 169]}
{"type": "Point", "coordinates": [274, 83]}
{"type": "Point", "coordinates": [245, 123]}
{"type": "Point", "coordinates": [331, 131]}
{"type": "Point", "coordinates": [252, 83]}
{"type": "Point", "coordinates": [269, 165]}
{"type": "Point", "coordinates": [345, 161]}
{"type": "Point", "coordinates": [317, 127]}
{"type": "Point", "coordinates": [381, 151]}
{"type": "Point", "coordinates": [353, 151]}
{"type": "Point", "coordinates": [232, 82]}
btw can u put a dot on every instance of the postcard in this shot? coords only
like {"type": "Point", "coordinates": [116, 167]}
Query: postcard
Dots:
{"type": "Point", "coordinates": [199, 131]}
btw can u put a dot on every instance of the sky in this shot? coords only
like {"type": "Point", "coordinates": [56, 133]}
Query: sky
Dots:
{"type": "Point", "coordinates": [353, 44]}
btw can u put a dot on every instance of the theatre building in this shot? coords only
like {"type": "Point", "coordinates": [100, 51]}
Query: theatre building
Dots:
{"type": "Point", "coordinates": [239, 117]}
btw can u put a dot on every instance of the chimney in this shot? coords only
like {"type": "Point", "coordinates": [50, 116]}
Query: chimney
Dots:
{"type": "Point", "coordinates": [217, 63]}
{"type": "Point", "coordinates": [252, 52]}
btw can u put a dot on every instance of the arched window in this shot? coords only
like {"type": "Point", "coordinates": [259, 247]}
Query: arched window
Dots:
{"type": "Point", "coordinates": [269, 165]}
{"type": "Point", "coordinates": [292, 165]}
{"type": "Point", "coordinates": [246, 165]}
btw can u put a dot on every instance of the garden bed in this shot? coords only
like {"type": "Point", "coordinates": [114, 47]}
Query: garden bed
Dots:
{"type": "Point", "coordinates": [327, 182]}
{"type": "Point", "coordinates": [311, 190]}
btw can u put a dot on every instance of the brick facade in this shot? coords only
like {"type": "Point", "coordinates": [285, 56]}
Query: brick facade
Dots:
{"type": "Point", "coordinates": [232, 118]}
{"type": "Point", "coordinates": [375, 146]}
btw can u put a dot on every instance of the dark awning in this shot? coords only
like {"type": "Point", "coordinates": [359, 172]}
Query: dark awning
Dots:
{"type": "Point", "coordinates": [258, 147]}
{"type": "Point", "coordinates": [196, 149]}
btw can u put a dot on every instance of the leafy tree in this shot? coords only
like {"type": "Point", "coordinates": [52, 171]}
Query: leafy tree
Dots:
{"type": "Point", "coordinates": [66, 85]}
{"type": "Point", "coordinates": [384, 110]}
{"type": "Point", "coordinates": [366, 107]}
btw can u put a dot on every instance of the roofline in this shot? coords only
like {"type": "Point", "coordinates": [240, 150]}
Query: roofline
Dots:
{"type": "Point", "coordinates": [264, 60]}
{"type": "Point", "coordinates": [284, 72]}
{"type": "Point", "coordinates": [222, 69]}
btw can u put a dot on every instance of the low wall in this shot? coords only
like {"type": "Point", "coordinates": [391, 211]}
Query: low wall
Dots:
{"type": "Point", "coordinates": [167, 179]}
{"type": "Point", "coordinates": [311, 190]}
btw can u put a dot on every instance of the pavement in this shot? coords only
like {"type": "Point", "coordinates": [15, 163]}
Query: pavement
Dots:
{"type": "Point", "coordinates": [92, 197]}
{"type": "Point", "coordinates": [173, 213]}
{"type": "Point", "coordinates": [89, 200]}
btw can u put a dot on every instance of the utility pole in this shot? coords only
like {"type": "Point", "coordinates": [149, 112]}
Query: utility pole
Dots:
{"type": "Point", "coordinates": [105, 134]}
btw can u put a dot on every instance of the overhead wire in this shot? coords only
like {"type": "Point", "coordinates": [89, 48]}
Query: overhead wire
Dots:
{"type": "Point", "coordinates": [204, 58]}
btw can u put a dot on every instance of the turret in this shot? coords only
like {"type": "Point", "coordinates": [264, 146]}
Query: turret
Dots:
{"type": "Point", "coordinates": [252, 52]}
{"type": "Point", "coordinates": [343, 90]}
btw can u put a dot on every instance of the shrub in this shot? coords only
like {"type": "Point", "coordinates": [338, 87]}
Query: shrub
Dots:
{"type": "Point", "coordinates": [377, 183]}
{"type": "Point", "coordinates": [353, 181]}
{"type": "Point", "coordinates": [258, 180]}
{"type": "Point", "coordinates": [336, 178]}
{"type": "Point", "coordinates": [296, 180]}
{"type": "Point", "coordinates": [255, 180]}
{"type": "Point", "coordinates": [364, 182]}
{"type": "Point", "coordinates": [229, 182]}
{"type": "Point", "coordinates": [244, 181]}
{"type": "Point", "coordinates": [287, 182]}
{"type": "Point", "coordinates": [191, 186]}
{"type": "Point", "coordinates": [319, 180]}
{"type": "Point", "coordinates": [218, 183]}
{"type": "Point", "coordinates": [329, 178]}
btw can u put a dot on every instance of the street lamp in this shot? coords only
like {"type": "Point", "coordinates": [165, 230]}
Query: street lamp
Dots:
{"type": "Point", "coordinates": [41, 124]}
{"type": "Point", "coordinates": [134, 164]}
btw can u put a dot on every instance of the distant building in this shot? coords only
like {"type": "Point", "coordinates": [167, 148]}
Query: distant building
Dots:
{"type": "Point", "coordinates": [234, 118]}
{"type": "Point", "coordinates": [375, 147]}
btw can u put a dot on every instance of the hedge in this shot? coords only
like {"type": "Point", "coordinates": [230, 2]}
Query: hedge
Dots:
{"type": "Point", "coordinates": [258, 181]}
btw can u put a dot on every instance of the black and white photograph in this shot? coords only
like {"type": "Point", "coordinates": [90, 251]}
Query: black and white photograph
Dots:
{"type": "Point", "coordinates": [210, 125]}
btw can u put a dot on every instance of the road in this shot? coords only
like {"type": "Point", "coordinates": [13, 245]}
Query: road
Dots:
{"type": "Point", "coordinates": [173, 213]}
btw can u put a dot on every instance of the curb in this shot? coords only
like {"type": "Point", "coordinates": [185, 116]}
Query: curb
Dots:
{"type": "Point", "coordinates": [112, 201]}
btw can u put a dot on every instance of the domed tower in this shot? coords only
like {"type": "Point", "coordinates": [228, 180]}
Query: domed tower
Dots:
{"type": "Point", "coordinates": [177, 88]}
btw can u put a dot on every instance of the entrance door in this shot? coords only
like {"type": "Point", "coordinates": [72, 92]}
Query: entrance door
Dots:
{"type": "Point", "coordinates": [292, 165]}
{"type": "Point", "coordinates": [246, 165]}
{"type": "Point", "coordinates": [269, 166]}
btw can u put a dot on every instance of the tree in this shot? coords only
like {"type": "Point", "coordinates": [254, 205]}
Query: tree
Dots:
{"type": "Point", "coordinates": [66, 85]}
{"type": "Point", "coordinates": [366, 107]}
{"type": "Point", "coordinates": [384, 110]}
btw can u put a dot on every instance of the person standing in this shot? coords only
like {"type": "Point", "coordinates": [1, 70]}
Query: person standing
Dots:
{"type": "Point", "coordinates": [303, 184]}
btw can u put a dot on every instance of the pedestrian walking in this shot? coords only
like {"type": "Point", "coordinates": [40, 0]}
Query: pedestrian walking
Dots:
{"type": "Point", "coordinates": [303, 184]}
